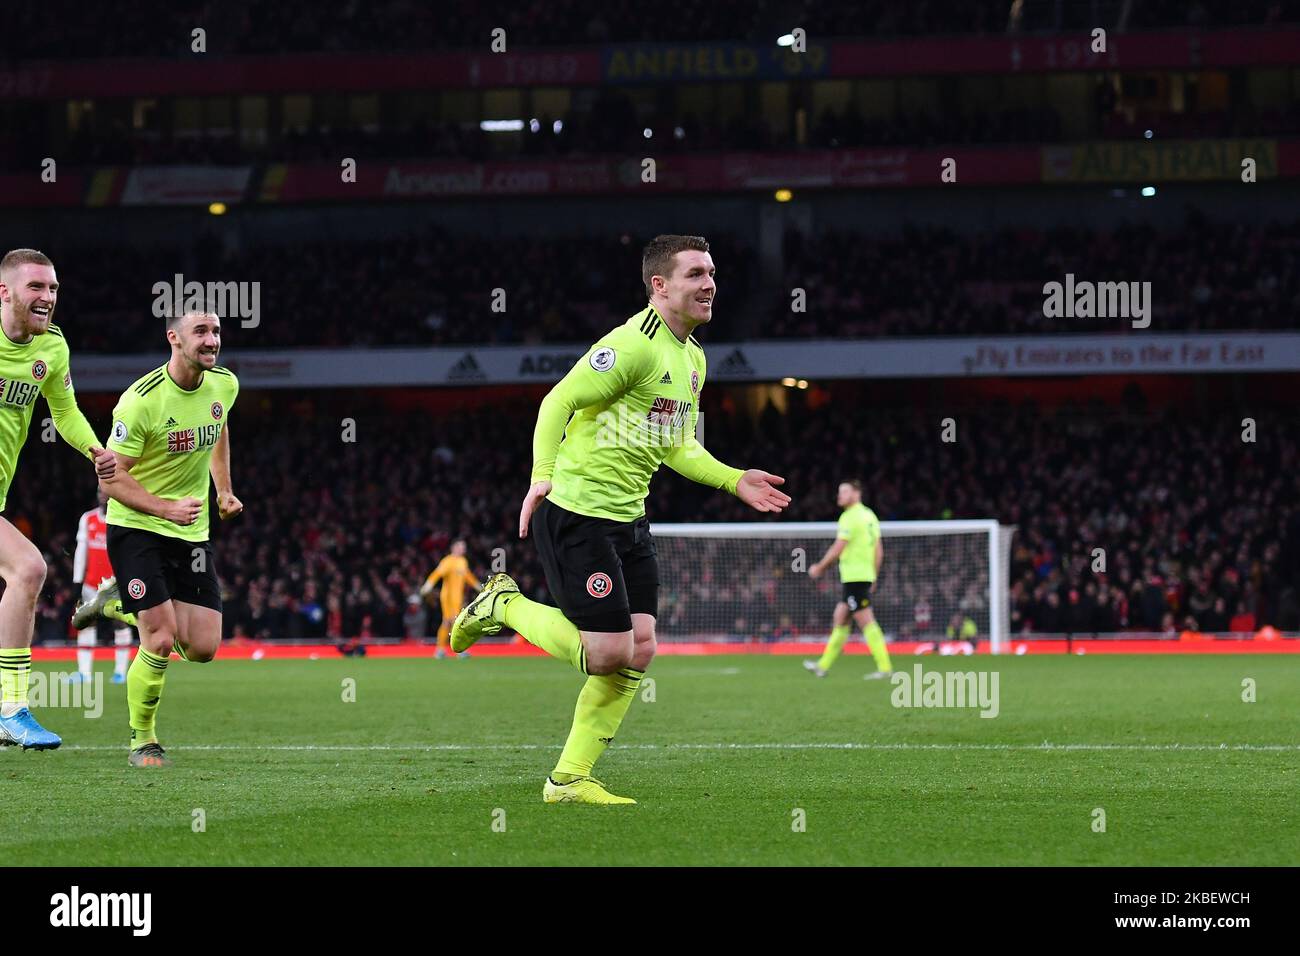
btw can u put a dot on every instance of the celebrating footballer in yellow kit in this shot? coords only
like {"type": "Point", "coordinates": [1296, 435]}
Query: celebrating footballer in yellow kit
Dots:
{"type": "Point", "coordinates": [33, 361]}
{"type": "Point", "coordinates": [169, 432]}
{"type": "Point", "coordinates": [631, 403]}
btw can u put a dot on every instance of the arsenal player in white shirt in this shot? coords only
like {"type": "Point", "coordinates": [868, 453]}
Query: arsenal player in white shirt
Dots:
{"type": "Point", "coordinates": [89, 567]}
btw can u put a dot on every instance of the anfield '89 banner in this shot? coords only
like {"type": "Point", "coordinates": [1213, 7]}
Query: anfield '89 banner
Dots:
{"type": "Point", "coordinates": [752, 361]}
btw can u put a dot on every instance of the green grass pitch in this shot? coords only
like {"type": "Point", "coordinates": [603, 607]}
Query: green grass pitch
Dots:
{"type": "Point", "coordinates": [443, 763]}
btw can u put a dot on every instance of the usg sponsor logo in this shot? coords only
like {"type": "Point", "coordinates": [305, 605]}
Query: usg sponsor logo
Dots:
{"type": "Point", "coordinates": [18, 393]}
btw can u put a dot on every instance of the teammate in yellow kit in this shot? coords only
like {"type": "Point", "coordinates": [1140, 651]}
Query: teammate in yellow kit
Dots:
{"type": "Point", "coordinates": [859, 552]}
{"type": "Point", "coordinates": [454, 573]}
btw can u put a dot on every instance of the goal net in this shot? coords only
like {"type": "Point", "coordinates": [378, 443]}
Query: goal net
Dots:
{"type": "Point", "coordinates": [749, 582]}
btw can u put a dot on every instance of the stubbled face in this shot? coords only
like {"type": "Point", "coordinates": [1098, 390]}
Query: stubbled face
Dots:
{"type": "Point", "coordinates": [690, 289]}
{"type": "Point", "coordinates": [847, 495]}
{"type": "Point", "coordinates": [31, 290]}
{"type": "Point", "coordinates": [199, 339]}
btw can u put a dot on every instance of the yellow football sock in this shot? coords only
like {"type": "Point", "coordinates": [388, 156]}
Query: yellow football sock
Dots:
{"type": "Point", "coordinates": [834, 644]}
{"type": "Point", "coordinates": [144, 684]}
{"type": "Point", "coordinates": [876, 641]}
{"type": "Point", "coordinates": [15, 674]}
{"type": "Point", "coordinates": [602, 704]}
{"type": "Point", "coordinates": [546, 627]}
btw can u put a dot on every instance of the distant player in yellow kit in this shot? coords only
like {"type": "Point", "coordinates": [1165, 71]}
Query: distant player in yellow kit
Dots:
{"type": "Point", "coordinates": [454, 573]}
{"type": "Point", "coordinates": [859, 552]}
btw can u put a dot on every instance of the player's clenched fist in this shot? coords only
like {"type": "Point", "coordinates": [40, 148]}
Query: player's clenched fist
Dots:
{"type": "Point", "coordinates": [535, 494]}
{"type": "Point", "coordinates": [105, 463]}
{"type": "Point", "coordinates": [183, 511]}
{"type": "Point", "coordinates": [228, 505]}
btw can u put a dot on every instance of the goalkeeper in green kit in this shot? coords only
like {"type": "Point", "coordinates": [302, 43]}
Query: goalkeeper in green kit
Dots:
{"type": "Point", "coordinates": [629, 404]}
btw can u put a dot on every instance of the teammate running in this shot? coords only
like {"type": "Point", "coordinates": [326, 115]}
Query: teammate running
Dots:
{"type": "Point", "coordinates": [33, 361]}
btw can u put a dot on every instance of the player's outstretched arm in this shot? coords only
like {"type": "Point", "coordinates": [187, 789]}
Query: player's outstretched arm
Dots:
{"type": "Point", "coordinates": [830, 557]}
{"type": "Point", "coordinates": [124, 488]}
{"type": "Point", "coordinates": [538, 491]}
{"type": "Point", "coordinates": [82, 554]}
{"type": "Point", "coordinates": [755, 487]}
{"type": "Point", "coordinates": [227, 504]}
{"type": "Point", "coordinates": [435, 576]}
{"type": "Point", "coordinates": [610, 368]}
{"type": "Point", "coordinates": [71, 424]}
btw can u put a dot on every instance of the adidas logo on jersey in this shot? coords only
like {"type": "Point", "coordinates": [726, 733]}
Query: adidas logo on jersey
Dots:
{"type": "Point", "coordinates": [171, 422]}
{"type": "Point", "coordinates": [666, 380]}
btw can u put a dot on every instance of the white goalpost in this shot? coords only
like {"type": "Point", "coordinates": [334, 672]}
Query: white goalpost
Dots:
{"type": "Point", "coordinates": [749, 582]}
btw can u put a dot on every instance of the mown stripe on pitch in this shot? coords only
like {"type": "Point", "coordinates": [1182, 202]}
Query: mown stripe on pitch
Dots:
{"type": "Point", "coordinates": [433, 748]}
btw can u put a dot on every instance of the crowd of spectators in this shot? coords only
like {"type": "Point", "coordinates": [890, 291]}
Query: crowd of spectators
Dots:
{"type": "Point", "coordinates": [612, 126]}
{"type": "Point", "coordinates": [1194, 523]}
{"type": "Point", "coordinates": [66, 29]}
{"type": "Point", "coordinates": [438, 289]}
{"type": "Point", "coordinates": [933, 281]}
